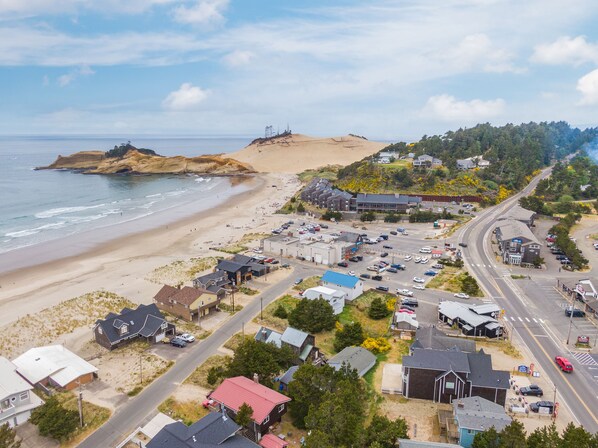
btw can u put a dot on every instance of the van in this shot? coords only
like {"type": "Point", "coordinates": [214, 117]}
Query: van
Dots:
{"type": "Point", "coordinates": [425, 250]}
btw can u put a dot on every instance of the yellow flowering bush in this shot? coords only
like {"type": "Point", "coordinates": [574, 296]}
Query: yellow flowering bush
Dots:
{"type": "Point", "coordinates": [390, 304]}
{"type": "Point", "coordinates": [376, 345]}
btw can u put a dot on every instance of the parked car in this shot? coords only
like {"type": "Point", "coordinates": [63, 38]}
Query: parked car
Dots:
{"type": "Point", "coordinates": [343, 264]}
{"type": "Point", "coordinates": [384, 254]}
{"type": "Point", "coordinates": [420, 287]}
{"type": "Point", "coordinates": [410, 301]}
{"type": "Point", "coordinates": [372, 268]}
{"type": "Point", "coordinates": [178, 342]}
{"type": "Point", "coordinates": [532, 389]}
{"type": "Point", "coordinates": [365, 275]}
{"type": "Point", "coordinates": [187, 337]}
{"type": "Point", "coordinates": [392, 232]}
{"type": "Point", "coordinates": [425, 250]}
{"type": "Point", "coordinates": [354, 259]}
{"type": "Point", "coordinates": [393, 270]}
{"type": "Point", "coordinates": [404, 308]}
{"type": "Point", "coordinates": [400, 229]}
{"type": "Point", "coordinates": [286, 265]}
{"type": "Point", "coordinates": [299, 280]}
{"type": "Point", "coordinates": [561, 257]}
{"type": "Point", "coordinates": [461, 295]}
{"type": "Point", "coordinates": [438, 266]}
{"type": "Point", "coordinates": [430, 273]}
{"type": "Point", "coordinates": [424, 260]}
{"type": "Point", "coordinates": [405, 292]}
{"type": "Point", "coordinates": [418, 280]}
{"type": "Point", "coordinates": [382, 288]}
{"type": "Point", "coordinates": [383, 236]}
{"type": "Point", "coordinates": [324, 226]}
{"type": "Point", "coordinates": [401, 267]}
{"type": "Point", "coordinates": [563, 364]}
{"type": "Point", "coordinates": [274, 262]}
{"type": "Point", "coordinates": [387, 246]}
{"type": "Point", "coordinates": [378, 278]}
{"type": "Point", "coordinates": [417, 259]}
{"type": "Point", "coordinates": [408, 258]}
{"type": "Point", "coordinates": [463, 244]}
{"type": "Point", "coordinates": [351, 273]}
{"type": "Point", "coordinates": [576, 312]}
{"type": "Point", "coordinates": [535, 407]}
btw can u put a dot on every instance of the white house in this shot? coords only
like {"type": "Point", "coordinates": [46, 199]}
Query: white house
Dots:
{"type": "Point", "coordinates": [353, 286]}
{"type": "Point", "coordinates": [16, 399]}
{"type": "Point", "coordinates": [336, 298]}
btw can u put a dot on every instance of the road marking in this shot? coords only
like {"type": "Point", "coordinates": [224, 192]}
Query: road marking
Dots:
{"type": "Point", "coordinates": [534, 319]}
{"type": "Point", "coordinates": [512, 318]}
{"type": "Point", "coordinates": [520, 319]}
{"type": "Point", "coordinates": [541, 321]}
{"type": "Point", "coordinates": [527, 319]}
{"type": "Point", "coordinates": [585, 359]}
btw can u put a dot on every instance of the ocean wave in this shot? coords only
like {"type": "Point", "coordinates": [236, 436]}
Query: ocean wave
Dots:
{"type": "Point", "coordinates": [28, 232]}
{"type": "Point", "coordinates": [176, 193]}
{"type": "Point", "coordinates": [65, 210]}
{"type": "Point", "coordinates": [89, 218]}
{"type": "Point", "coordinates": [153, 195]}
{"type": "Point", "coordinates": [199, 179]}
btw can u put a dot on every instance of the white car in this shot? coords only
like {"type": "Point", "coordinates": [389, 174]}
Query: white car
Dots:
{"type": "Point", "coordinates": [418, 280]}
{"type": "Point", "coordinates": [187, 337]}
{"type": "Point", "coordinates": [417, 259]}
{"type": "Point", "coordinates": [461, 295]}
{"type": "Point", "coordinates": [421, 287]}
{"type": "Point", "coordinates": [351, 273]}
{"type": "Point", "coordinates": [405, 292]}
{"type": "Point", "coordinates": [424, 260]}
{"type": "Point", "coordinates": [408, 257]}
{"type": "Point", "coordinates": [425, 250]}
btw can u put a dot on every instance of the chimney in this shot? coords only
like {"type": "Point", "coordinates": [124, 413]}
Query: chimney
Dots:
{"type": "Point", "coordinates": [256, 378]}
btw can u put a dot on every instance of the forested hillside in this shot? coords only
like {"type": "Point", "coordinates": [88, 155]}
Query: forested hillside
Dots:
{"type": "Point", "coordinates": [515, 153]}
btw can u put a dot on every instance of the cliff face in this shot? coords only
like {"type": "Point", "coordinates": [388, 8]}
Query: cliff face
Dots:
{"type": "Point", "coordinates": [134, 162]}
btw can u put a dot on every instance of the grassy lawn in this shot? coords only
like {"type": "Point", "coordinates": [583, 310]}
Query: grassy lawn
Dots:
{"type": "Point", "coordinates": [397, 164]}
{"type": "Point", "coordinates": [327, 172]}
{"type": "Point", "coordinates": [187, 411]}
{"type": "Point", "coordinates": [94, 416]}
{"type": "Point", "coordinates": [446, 280]}
{"type": "Point", "coordinates": [276, 323]}
{"type": "Point", "coordinates": [506, 347]}
{"type": "Point", "coordinates": [234, 342]}
{"type": "Point", "coordinates": [309, 282]}
{"type": "Point", "coordinates": [199, 377]}
{"type": "Point", "coordinates": [357, 311]}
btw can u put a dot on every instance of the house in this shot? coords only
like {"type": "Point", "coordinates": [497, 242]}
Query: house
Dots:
{"type": "Point", "coordinates": [520, 214]}
{"type": "Point", "coordinates": [16, 397]}
{"type": "Point", "coordinates": [55, 366]}
{"type": "Point", "coordinates": [482, 163]}
{"type": "Point", "coordinates": [465, 164]}
{"type": "Point", "coordinates": [476, 414]}
{"type": "Point", "coordinates": [268, 405]}
{"type": "Point", "coordinates": [213, 430]}
{"type": "Point", "coordinates": [408, 443]}
{"type": "Point", "coordinates": [213, 282]}
{"type": "Point", "coordinates": [404, 323]}
{"type": "Point", "coordinates": [237, 273]}
{"type": "Point", "coordinates": [357, 358]}
{"type": "Point", "coordinates": [187, 302]}
{"type": "Point", "coordinates": [426, 161]}
{"type": "Point", "coordinates": [301, 343]}
{"type": "Point", "coordinates": [516, 242]}
{"type": "Point", "coordinates": [434, 339]}
{"type": "Point", "coordinates": [447, 375]}
{"type": "Point", "coordinates": [146, 321]}
{"type": "Point", "coordinates": [287, 378]}
{"type": "Point", "coordinates": [479, 320]}
{"type": "Point", "coordinates": [271, 441]}
{"type": "Point", "coordinates": [353, 286]}
{"type": "Point", "coordinates": [336, 298]}
{"type": "Point", "coordinates": [586, 293]}
{"type": "Point", "coordinates": [384, 203]}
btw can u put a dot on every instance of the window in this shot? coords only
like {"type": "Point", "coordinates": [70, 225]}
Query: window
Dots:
{"type": "Point", "coordinates": [267, 419]}
{"type": "Point", "coordinates": [281, 408]}
{"type": "Point", "coordinates": [100, 330]}
{"type": "Point", "coordinates": [449, 385]}
{"type": "Point", "coordinates": [164, 325]}
{"type": "Point", "coordinates": [124, 329]}
{"type": "Point", "coordinates": [24, 396]}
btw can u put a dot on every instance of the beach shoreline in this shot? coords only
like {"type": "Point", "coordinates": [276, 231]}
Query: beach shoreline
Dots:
{"type": "Point", "coordinates": [122, 264]}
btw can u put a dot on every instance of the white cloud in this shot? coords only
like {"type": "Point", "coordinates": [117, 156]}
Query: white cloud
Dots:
{"type": "Point", "coordinates": [187, 97]}
{"type": "Point", "coordinates": [69, 77]}
{"type": "Point", "coordinates": [448, 108]}
{"type": "Point", "coordinates": [238, 57]}
{"type": "Point", "coordinates": [566, 50]}
{"type": "Point", "coordinates": [588, 86]}
{"type": "Point", "coordinates": [477, 50]}
{"type": "Point", "coordinates": [203, 13]}
{"type": "Point", "coordinates": [33, 8]}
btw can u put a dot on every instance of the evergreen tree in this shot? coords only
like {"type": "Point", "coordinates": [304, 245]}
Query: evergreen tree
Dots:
{"type": "Point", "coordinates": [384, 432]}
{"type": "Point", "coordinates": [266, 360]}
{"type": "Point", "coordinates": [55, 421]}
{"type": "Point", "coordinates": [486, 439]}
{"type": "Point", "coordinates": [351, 334]}
{"type": "Point", "coordinates": [312, 316]}
{"type": "Point", "coordinates": [378, 309]}
{"type": "Point", "coordinates": [8, 437]}
{"type": "Point", "coordinates": [545, 437]}
{"type": "Point", "coordinates": [577, 437]}
{"type": "Point", "coordinates": [513, 436]}
{"type": "Point", "coordinates": [243, 417]}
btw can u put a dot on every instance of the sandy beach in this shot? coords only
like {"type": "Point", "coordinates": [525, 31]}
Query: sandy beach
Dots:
{"type": "Point", "coordinates": [122, 264]}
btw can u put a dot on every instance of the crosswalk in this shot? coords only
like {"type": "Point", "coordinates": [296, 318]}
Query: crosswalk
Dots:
{"type": "Point", "coordinates": [585, 359]}
{"type": "Point", "coordinates": [525, 319]}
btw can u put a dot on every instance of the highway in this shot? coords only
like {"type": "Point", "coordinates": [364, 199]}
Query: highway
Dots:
{"type": "Point", "coordinates": [577, 390]}
{"type": "Point", "coordinates": [138, 410]}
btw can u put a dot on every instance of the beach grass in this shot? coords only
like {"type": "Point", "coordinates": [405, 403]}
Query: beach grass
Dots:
{"type": "Point", "coordinates": [94, 416]}
{"type": "Point", "coordinates": [199, 377]}
{"type": "Point", "coordinates": [309, 282]}
{"type": "Point", "coordinates": [270, 320]}
{"type": "Point", "coordinates": [181, 271]}
{"type": "Point", "coordinates": [242, 244]}
{"type": "Point", "coordinates": [187, 411]}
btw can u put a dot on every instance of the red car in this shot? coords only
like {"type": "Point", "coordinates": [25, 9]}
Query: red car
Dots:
{"type": "Point", "coordinates": [563, 364]}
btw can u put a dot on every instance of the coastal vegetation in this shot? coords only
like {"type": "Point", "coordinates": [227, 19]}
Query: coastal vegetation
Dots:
{"type": "Point", "coordinates": [565, 243]}
{"type": "Point", "coordinates": [181, 271]}
{"type": "Point", "coordinates": [515, 153]}
{"type": "Point", "coordinates": [122, 150]}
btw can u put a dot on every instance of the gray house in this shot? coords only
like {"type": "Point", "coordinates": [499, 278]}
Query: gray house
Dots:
{"type": "Point", "coordinates": [465, 164]}
{"type": "Point", "coordinates": [520, 214]}
{"type": "Point", "coordinates": [516, 242]}
{"type": "Point", "coordinates": [357, 358]}
{"type": "Point", "coordinates": [17, 399]}
{"type": "Point", "coordinates": [476, 414]}
{"type": "Point", "coordinates": [434, 339]}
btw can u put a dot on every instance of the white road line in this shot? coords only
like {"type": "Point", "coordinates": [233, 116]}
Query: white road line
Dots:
{"type": "Point", "coordinates": [512, 318]}
{"type": "Point", "coordinates": [520, 319]}
{"type": "Point", "coordinates": [527, 319]}
{"type": "Point", "coordinates": [534, 319]}
{"type": "Point", "coordinates": [541, 321]}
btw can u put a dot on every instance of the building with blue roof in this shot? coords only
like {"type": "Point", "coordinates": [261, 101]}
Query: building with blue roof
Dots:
{"type": "Point", "coordinates": [353, 286]}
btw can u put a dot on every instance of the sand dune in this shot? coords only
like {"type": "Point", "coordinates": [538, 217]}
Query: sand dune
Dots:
{"type": "Point", "coordinates": [297, 152]}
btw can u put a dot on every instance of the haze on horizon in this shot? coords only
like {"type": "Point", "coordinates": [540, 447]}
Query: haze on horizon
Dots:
{"type": "Point", "coordinates": [385, 69]}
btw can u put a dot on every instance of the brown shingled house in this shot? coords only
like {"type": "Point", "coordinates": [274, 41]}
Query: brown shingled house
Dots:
{"type": "Point", "coordinates": [187, 301]}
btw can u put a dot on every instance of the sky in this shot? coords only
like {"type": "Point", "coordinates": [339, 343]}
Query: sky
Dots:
{"type": "Point", "coordinates": [380, 68]}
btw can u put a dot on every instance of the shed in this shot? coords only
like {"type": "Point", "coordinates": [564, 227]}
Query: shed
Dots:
{"type": "Point", "coordinates": [357, 358]}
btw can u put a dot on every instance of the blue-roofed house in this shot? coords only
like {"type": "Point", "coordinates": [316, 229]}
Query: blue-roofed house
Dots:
{"type": "Point", "coordinates": [353, 286]}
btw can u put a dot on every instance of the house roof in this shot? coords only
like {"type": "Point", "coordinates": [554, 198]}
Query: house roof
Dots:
{"type": "Point", "coordinates": [371, 198]}
{"type": "Point", "coordinates": [442, 360]}
{"type": "Point", "coordinates": [52, 361]}
{"type": "Point", "coordinates": [294, 337]}
{"type": "Point", "coordinates": [454, 310]}
{"type": "Point", "coordinates": [213, 278]}
{"type": "Point", "coordinates": [233, 392]}
{"type": "Point", "coordinates": [288, 375]}
{"type": "Point", "coordinates": [357, 358]}
{"type": "Point", "coordinates": [10, 381]}
{"type": "Point", "coordinates": [212, 431]}
{"type": "Point", "coordinates": [518, 213]}
{"type": "Point", "coordinates": [479, 414]}
{"type": "Point", "coordinates": [337, 278]}
{"type": "Point", "coordinates": [325, 291]}
{"type": "Point", "coordinates": [483, 375]}
{"type": "Point", "coordinates": [269, 336]}
{"type": "Point", "coordinates": [408, 443]}
{"type": "Point", "coordinates": [230, 266]}
{"type": "Point", "coordinates": [271, 441]}
{"type": "Point", "coordinates": [165, 293]}
{"type": "Point", "coordinates": [433, 338]}
{"type": "Point", "coordinates": [136, 321]}
{"type": "Point", "coordinates": [486, 308]}
{"type": "Point", "coordinates": [405, 317]}
{"type": "Point", "coordinates": [511, 229]}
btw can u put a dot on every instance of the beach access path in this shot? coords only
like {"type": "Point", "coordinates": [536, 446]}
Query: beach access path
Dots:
{"type": "Point", "coordinates": [139, 410]}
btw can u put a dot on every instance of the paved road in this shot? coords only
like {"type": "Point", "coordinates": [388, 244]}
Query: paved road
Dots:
{"type": "Point", "coordinates": [577, 391]}
{"type": "Point", "coordinates": [140, 409]}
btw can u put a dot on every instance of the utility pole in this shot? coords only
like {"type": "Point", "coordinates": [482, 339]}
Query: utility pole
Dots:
{"type": "Point", "coordinates": [199, 315]}
{"type": "Point", "coordinates": [140, 369]}
{"type": "Point", "coordinates": [80, 405]}
{"type": "Point", "coordinates": [262, 308]}
{"type": "Point", "coordinates": [570, 324]}
{"type": "Point", "coordinates": [554, 401]}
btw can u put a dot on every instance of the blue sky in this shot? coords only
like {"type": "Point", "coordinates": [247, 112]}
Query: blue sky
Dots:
{"type": "Point", "coordinates": [384, 69]}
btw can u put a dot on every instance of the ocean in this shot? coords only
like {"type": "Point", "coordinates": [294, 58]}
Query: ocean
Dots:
{"type": "Point", "coordinates": [40, 206]}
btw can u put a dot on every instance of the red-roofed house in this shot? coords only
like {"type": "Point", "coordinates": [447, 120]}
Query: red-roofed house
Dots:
{"type": "Point", "coordinates": [268, 405]}
{"type": "Point", "coordinates": [271, 441]}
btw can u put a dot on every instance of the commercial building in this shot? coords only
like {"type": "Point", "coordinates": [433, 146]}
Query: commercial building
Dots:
{"type": "Point", "coordinates": [321, 249]}
{"type": "Point", "coordinates": [520, 214]}
{"type": "Point", "coordinates": [473, 320]}
{"type": "Point", "coordinates": [321, 193]}
{"type": "Point", "coordinates": [516, 242]}
{"type": "Point", "coordinates": [385, 203]}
